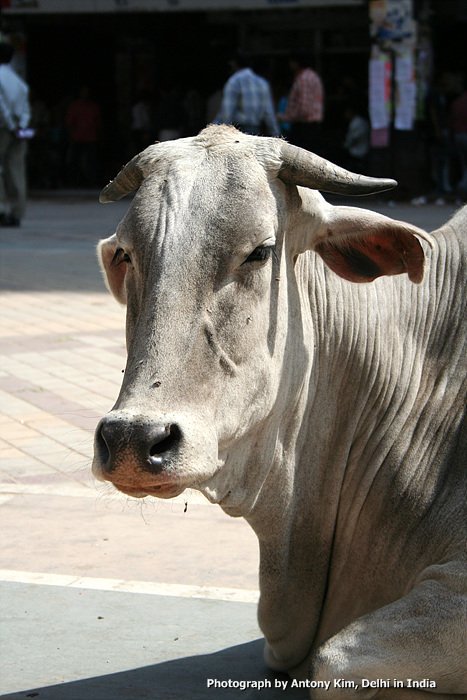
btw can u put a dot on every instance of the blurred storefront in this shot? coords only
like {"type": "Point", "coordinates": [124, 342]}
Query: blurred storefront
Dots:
{"type": "Point", "coordinates": [412, 45]}
{"type": "Point", "coordinates": [124, 49]}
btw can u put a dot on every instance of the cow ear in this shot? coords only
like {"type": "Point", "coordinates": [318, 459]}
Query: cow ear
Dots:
{"type": "Point", "coordinates": [113, 271]}
{"type": "Point", "coordinates": [361, 245]}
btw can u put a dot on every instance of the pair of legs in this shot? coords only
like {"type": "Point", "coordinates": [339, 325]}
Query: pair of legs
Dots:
{"type": "Point", "coordinates": [12, 175]}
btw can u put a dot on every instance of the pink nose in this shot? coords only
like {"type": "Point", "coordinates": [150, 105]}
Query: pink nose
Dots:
{"type": "Point", "coordinates": [150, 444]}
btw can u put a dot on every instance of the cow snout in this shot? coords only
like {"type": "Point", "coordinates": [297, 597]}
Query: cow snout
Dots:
{"type": "Point", "coordinates": [148, 446]}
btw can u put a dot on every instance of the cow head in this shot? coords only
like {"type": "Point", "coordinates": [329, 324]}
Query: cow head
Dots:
{"type": "Point", "coordinates": [206, 262]}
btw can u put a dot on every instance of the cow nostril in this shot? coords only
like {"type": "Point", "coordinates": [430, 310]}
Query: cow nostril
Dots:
{"type": "Point", "coordinates": [102, 447]}
{"type": "Point", "coordinates": [161, 445]}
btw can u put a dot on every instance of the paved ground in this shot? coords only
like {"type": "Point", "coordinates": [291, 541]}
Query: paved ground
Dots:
{"type": "Point", "coordinates": [102, 596]}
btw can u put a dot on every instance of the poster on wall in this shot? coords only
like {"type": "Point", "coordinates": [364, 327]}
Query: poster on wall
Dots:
{"type": "Point", "coordinates": [392, 90]}
{"type": "Point", "coordinates": [379, 88]}
{"type": "Point", "coordinates": [406, 93]}
{"type": "Point", "coordinates": [391, 21]}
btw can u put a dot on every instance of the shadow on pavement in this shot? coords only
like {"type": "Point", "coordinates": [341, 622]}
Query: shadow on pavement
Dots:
{"type": "Point", "coordinates": [181, 679]}
{"type": "Point", "coordinates": [55, 247]}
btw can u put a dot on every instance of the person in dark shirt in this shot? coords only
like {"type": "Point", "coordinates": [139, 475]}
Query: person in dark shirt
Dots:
{"type": "Point", "coordinates": [84, 122]}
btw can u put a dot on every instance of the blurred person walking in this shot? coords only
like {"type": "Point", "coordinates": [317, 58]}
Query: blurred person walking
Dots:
{"type": "Point", "coordinates": [305, 104]}
{"type": "Point", "coordinates": [15, 114]}
{"type": "Point", "coordinates": [357, 138]}
{"type": "Point", "coordinates": [141, 122]}
{"type": "Point", "coordinates": [247, 100]}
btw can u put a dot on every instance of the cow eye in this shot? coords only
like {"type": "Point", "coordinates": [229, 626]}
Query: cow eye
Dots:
{"type": "Point", "coordinates": [260, 254]}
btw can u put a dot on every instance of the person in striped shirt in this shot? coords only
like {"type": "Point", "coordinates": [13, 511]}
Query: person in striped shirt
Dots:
{"type": "Point", "coordinates": [247, 101]}
{"type": "Point", "coordinates": [305, 105]}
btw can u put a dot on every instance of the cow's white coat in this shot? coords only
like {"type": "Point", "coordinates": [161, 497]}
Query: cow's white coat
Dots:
{"type": "Point", "coordinates": [330, 414]}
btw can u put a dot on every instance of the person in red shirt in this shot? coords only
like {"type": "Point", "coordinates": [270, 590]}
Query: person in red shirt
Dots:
{"type": "Point", "coordinates": [305, 104]}
{"type": "Point", "coordinates": [84, 122]}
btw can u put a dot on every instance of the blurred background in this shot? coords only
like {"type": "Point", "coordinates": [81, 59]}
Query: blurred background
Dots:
{"type": "Point", "coordinates": [156, 68]}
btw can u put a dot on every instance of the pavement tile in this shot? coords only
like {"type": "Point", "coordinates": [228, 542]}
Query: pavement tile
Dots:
{"type": "Point", "coordinates": [43, 446]}
{"type": "Point", "coordinates": [54, 486]}
{"type": "Point", "coordinates": [11, 405]}
{"type": "Point", "coordinates": [114, 537]}
{"type": "Point", "coordinates": [41, 343]}
{"type": "Point", "coordinates": [5, 421]}
{"type": "Point", "coordinates": [41, 419]}
{"type": "Point", "coordinates": [5, 479]}
{"type": "Point", "coordinates": [14, 364]}
{"type": "Point", "coordinates": [60, 460]}
{"type": "Point", "coordinates": [74, 412]}
{"type": "Point", "coordinates": [25, 465]}
{"type": "Point", "coordinates": [13, 384]}
{"type": "Point", "coordinates": [74, 438]}
{"type": "Point", "coordinates": [9, 453]}
{"type": "Point", "coordinates": [15, 431]}
{"type": "Point", "coordinates": [97, 341]}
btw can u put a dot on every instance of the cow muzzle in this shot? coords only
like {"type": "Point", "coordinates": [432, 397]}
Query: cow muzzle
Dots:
{"type": "Point", "coordinates": [137, 455]}
{"type": "Point", "coordinates": [143, 455]}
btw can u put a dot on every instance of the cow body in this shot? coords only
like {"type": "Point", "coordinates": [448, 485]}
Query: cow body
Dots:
{"type": "Point", "coordinates": [380, 475]}
{"type": "Point", "coordinates": [329, 414]}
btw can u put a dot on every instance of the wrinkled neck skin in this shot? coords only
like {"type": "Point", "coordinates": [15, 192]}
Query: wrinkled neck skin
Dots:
{"type": "Point", "coordinates": [347, 436]}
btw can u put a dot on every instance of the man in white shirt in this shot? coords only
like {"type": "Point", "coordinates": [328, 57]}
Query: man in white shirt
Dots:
{"type": "Point", "coordinates": [15, 114]}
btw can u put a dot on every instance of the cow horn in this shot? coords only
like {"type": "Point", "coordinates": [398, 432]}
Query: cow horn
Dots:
{"type": "Point", "coordinates": [130, 176]}
{"type": "Point", "coordinates": [300, 167]}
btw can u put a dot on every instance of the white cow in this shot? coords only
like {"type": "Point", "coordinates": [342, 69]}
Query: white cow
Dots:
{"type": "Point", "coordinates": [329, 414]}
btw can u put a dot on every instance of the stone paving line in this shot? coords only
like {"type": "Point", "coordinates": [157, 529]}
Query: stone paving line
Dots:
{"type": "Point", "coordinates": [56, 378]}
{"type": "Point", "coordinates": [62, 353]}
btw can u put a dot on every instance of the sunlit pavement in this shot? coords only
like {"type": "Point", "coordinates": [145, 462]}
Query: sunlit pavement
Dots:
{"type": "Point", "coordinates": [104, 596]}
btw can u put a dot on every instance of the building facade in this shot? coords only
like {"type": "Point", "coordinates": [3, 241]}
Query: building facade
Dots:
{"type": "Point", "coordinates": [126, 49]}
